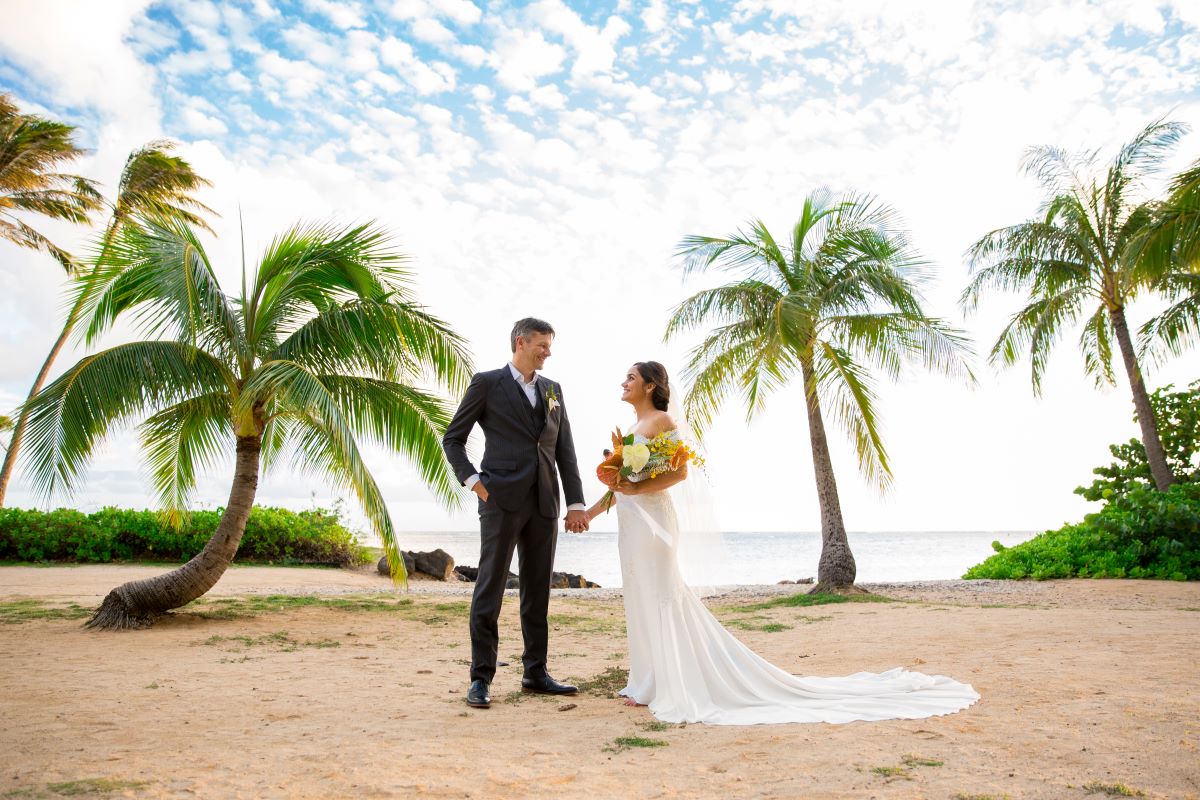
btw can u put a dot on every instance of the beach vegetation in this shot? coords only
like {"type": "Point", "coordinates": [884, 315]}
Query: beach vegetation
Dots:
{"type": "Point", "coordinates": [326, 345]}
{"type": "Point", "coordinates": [1178, 417]}
{"type": "Point", "coordinates": [833, 303]}
{"type": "Point", "coordinates": [153, 181]}
{"type": "Point", "coordinates": [1143, 534]}
{"type": "Point", "coordinates": [1081, 260]}
{"type": "Point", "coordinates": [272, 536]}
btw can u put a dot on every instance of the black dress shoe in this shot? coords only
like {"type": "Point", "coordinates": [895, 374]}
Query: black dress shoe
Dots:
{"type": "Point", "coordinates": [546, 685]}
{"type": "Point", "coordinates": [477, 695]}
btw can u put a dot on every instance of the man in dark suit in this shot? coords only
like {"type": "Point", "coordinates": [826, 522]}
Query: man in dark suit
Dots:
{"type": "Point", "coordinates": [527, 445]}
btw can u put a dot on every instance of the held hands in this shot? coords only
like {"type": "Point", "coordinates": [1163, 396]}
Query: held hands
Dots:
{"type": "Point", "coordinates": [577, 521]}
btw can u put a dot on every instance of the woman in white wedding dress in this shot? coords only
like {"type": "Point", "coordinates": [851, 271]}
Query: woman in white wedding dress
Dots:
{"type": "Point", "coordinates": [688, 668]}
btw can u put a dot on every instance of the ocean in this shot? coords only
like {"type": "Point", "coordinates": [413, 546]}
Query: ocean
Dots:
{"type": "Point", "coordinates": [755, 558]}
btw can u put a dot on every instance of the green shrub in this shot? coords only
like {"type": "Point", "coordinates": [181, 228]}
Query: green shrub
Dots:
{"type": "Point", "coordinates": [1142, 534]}
{"type": "Point", "coordinates": [273, 535]}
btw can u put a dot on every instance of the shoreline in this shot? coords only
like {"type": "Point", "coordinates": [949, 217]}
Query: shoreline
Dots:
{"type": "Point", "coordinates": [90, 582]}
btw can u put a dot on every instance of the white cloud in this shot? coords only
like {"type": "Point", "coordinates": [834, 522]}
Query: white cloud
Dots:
{"type": "Point", "coordinates": [595, 48]}
{"type": "Point", "coordinates": [424, 78]}
{"type": "Point", "coordinates": [342, 13]}
{"type": "Point", "coordinates": [299, 79]}
{"type": "Point", "coordinates": [717, 81]}
{"type": "Point", "coordinates": [520, 58]}
{"type": "Point", "coordinates": [432, 31]}
{"type": "Point", "coordinates": [196, 121]}
{"type": "Point", "coordinates": [654, 15]}
{"type": "Point", "coordinates": [461, 12]}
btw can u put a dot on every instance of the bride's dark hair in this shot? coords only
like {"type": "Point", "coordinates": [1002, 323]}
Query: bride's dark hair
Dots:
{"type": "Point", "coordinates": [655, 373]}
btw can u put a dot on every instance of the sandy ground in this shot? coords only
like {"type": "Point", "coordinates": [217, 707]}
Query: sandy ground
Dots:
{"type": "Point", "coordinates": [1086, 685]}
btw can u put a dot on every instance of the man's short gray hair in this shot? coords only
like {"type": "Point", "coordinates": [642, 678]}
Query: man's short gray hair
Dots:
{"type": "Point", "coordinates": [525, 328]}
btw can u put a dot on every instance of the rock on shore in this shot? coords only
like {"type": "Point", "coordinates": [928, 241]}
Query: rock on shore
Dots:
{"type": "Point", "coordinates": [440, 565]}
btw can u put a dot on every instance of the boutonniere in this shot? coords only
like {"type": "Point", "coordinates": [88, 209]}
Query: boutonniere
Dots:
{"type": "Point", "coordinates": [551, 400]}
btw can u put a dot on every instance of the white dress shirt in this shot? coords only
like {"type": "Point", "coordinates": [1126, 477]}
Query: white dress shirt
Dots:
{"type": "Point", "coordinates": [530, 390]}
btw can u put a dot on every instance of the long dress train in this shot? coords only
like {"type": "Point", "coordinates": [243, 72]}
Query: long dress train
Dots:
{"type": "Point", "coordinates": [687, 667]}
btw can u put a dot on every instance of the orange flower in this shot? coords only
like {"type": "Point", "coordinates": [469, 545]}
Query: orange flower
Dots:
{"type": "Point", "coordinates": [682, 456]}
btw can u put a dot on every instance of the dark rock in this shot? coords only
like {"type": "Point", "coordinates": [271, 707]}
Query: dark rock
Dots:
{"type": "Point", "coordinates": [805, 580]}
{"type": "Point", "coordinates": [560, 580]}
{"type": "Point", "coordinates": [566, 580]}
{"type": "Point", "coordinates": [410, 565]}
{"type": "Point", "coordinates": [437, 564]}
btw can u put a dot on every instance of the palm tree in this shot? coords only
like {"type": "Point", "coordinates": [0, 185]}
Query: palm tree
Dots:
{"type": "Point", "coordinates": [32, 150]}
{"type": "Point", "coordinates": [1172, 249]}
{"type": "Point", "coordinates": [6, 425]}
{"type": "Point", "coordinates": [319, 351]}
{"type": "Point", "coordinates": [831, 303]}
{"type": "Point", "coordinates": [1080, 256]}
{"type": "Point", "coordinates": [153, 182]}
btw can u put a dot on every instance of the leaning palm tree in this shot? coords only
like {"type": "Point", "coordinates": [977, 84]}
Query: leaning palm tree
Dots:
{"type": "Point", "coordinates": [153, 182]}
{"type": "Point", "coordinates": [322, 348]}
{"type": "Point", "coordinates": [32, 150]}
{"type": "Point", "coordinates": [1080, 259]}
{"type": "Point", "coordinates": [834, 301]}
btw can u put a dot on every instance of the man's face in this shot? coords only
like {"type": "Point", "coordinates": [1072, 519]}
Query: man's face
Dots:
{"type": "Point", "coordinates": [535, 350]}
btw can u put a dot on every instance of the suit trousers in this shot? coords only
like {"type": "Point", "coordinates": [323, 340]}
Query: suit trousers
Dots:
{"type": "Point", "coordinates": [534, 537]}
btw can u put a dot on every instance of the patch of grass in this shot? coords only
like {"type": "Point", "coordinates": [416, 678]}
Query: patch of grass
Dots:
{"type": "Point", "coordinates": [655, 726]}
{"type": "Point", "coordinates": [606, 684]}
{"type": "Point", "coordinates": [965, 796]}
{"type": "Point", "coordinates": [919, 761]}
{"type": "Point", "coordinates": [80, 787]}
{"type": "Point", "coordinates": [1189, 609]}
{"type": "Point", "coordinates": [14, 612]}
{"type": "Point", "coordinates": [255, 605]}
{"type": "Point", "coordinates": [1112, 789]}
{"type": "Point", "coordinates": [584, 624]}
{"type": "Point", "coordinates": [751, 624]}
{"type": "Point", "coordinates": [622, 743]}
{"type": "Point", "coordinates": [808, 600]}
{"type": "Point", "coordinates": [892, 772]}
{"type": "Point", "coordinates": [280, 640]}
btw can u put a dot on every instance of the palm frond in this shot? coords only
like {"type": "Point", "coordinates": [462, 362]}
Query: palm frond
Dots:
{"type": "Point", "coordinates": [844, 388]}
{"type": "Point", "coordinates": [181, 439]}
{"type": "Point", "coordinates": [71, 415]}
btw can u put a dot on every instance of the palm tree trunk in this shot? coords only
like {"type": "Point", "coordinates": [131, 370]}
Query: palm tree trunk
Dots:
{"type": "Point", "coordinates": [136, 604]}
{"type": "Point", "coordinates": [18, 433]}
{"type": "Point", "coordinates": [1163, 477]}
{"type": "Point", "coordinates": [836, 568]}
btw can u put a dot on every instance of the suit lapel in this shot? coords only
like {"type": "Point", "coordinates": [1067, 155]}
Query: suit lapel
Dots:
{"type": "Point", "coordinates": [520, 402]}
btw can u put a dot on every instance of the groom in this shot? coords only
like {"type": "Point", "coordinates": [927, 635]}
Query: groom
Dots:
{"type": "Point", "coordinates": [526, 434]}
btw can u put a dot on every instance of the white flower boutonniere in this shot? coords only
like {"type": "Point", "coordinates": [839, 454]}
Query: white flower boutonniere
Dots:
{"type": "Point", "coordinates": [551, 400]}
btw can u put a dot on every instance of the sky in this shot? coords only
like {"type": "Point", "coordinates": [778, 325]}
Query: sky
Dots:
{"type": "Point", "coordinates": [546, 158]}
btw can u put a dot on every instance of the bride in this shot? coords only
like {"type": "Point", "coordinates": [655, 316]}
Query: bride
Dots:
{"type": "Point", "coordinates": [688, 668]}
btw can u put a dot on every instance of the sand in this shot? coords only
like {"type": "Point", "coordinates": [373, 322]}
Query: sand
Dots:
{"type": "Point", "coordinates": [1087, 685]}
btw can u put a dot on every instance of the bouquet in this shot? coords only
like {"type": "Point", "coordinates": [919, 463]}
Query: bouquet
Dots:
{"type": "Point", "coordinates": [663, 453]}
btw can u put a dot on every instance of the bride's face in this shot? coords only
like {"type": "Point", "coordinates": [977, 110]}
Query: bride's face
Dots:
{"type": "Point", "coordinates": [634, 386]}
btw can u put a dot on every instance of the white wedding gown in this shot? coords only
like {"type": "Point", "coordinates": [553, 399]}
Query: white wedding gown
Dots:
{"type": "Point", "coordinates": [688, 668]}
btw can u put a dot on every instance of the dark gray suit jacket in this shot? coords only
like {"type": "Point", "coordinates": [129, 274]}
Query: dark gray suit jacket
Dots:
{"type": "Point", "coordinates": [516, 455]}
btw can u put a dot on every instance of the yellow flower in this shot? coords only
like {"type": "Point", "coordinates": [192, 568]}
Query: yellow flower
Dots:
{"type": "Point", "coordinates": [635, 456]}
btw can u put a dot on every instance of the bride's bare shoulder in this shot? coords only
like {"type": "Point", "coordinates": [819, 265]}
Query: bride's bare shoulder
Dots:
{"type": "Point", "coordinates": [661, 422]}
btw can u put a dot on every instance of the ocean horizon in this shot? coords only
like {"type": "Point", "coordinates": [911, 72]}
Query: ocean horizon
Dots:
{"type": "Point", "coordinates": [750, 557]}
